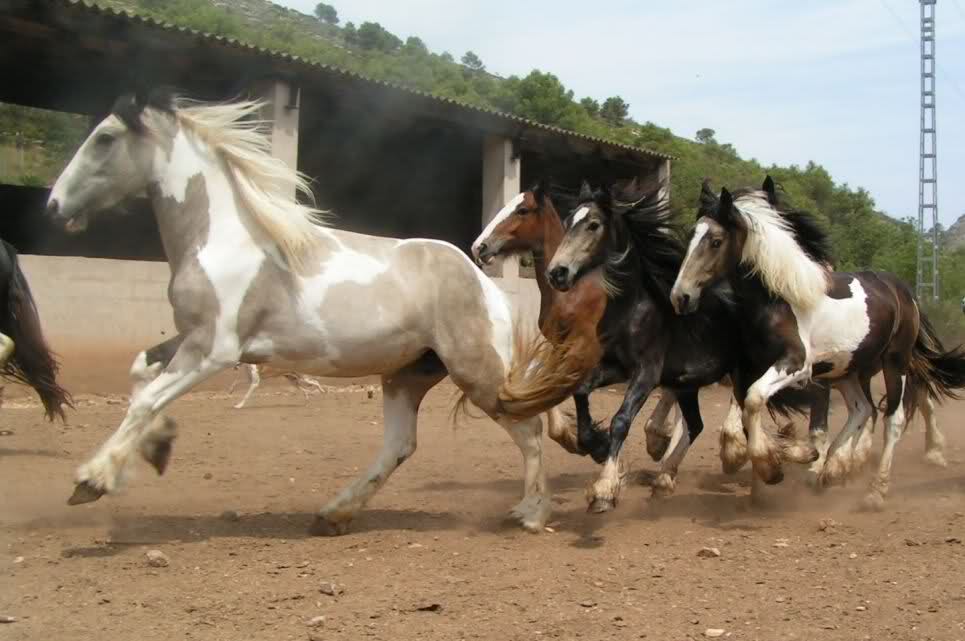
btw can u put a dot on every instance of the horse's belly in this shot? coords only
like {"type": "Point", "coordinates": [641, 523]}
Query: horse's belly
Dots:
{"type": "Point", "coordinates": [836, 329]}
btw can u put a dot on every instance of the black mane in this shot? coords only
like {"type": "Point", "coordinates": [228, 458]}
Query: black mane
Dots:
{"type": "Point", "coordinates": [645, 244]}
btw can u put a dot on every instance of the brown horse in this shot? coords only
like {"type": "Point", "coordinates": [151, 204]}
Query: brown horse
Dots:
{"type": "Point", "coordinates": [529, 222]}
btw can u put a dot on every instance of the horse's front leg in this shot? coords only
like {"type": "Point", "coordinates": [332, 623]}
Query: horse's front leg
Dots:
{"type": "Point", "coordinates": [766, 457]}
{"type": "Point", "coordinates": [666, 481]}
{"type": "Point", "coordinates": [603, 494]}
{"type": "Point", "coordinates": [158, 439]}
{"type": "Point", "coordinates": [591, 439]}
{"type": "Point", "coordinates": [104, 472]}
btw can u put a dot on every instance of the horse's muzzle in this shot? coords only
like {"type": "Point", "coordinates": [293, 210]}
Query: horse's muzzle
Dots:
{"type": "Point", "coordinates": [560, 278]}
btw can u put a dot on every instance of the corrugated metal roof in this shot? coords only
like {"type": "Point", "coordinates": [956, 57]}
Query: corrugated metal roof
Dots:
{"type": "Point", "coordinates": [311, 65]}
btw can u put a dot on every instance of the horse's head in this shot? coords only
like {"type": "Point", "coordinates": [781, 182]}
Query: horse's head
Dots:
{"type": "Point", "coordinates": [115, 161]}
{"type": "Point", "coordinates": [518, 227]}
{"type": "Point", "coordinates": [714, 249]}
{"type": "Point", "coordinates": [584, 246]}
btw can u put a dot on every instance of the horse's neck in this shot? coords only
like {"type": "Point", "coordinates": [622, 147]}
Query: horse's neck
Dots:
{"type": "Point", "coordinates": [552, 237]}
{"type": "Point", "coordinates": [193, 200]}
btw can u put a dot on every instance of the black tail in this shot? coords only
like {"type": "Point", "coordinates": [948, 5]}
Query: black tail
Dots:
{"type": "Point", "coordinates": [790, 400]}
{"type": "Point", "coordinates": [940, 371]}
{"type": "Point", "coordinates": [32, 362]}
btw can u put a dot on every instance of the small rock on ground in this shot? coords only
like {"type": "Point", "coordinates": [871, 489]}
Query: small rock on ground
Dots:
{"type": "Point", "coordinates": [315, 622]}
{"type": "Point", "coordinates": [713, 633]}
{"type": "Point", "coordinates": [157, 559]}
{"type": "Point", "coordinates": [708, 553]}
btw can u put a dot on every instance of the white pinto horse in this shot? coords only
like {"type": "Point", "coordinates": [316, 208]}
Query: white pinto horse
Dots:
{"type": "Point", "coordinates": [256, 278]}
{"type": "Point", "coordinates": [303, 383]}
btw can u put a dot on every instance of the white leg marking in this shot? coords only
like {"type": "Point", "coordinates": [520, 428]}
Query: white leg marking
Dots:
{"type": "Point", "coordinates": [105, 470]}
{"type": "Point", "coordinates": [733, 441]}
{"type": "Point", "coordinates": [665, 482]}
{"type": "Point", "coordinates": [602, 495]}
{"type": "Point", "coordinates": [894, 427]}
{"type": "Point", "coordinates": [765, 456]}
{"type": "Point", "coordinates": [659, 431]}
{"type": "Point", "coordinates": [254, 380]}
{"type": "Point", "coordinates": [841, 455]}
{"type": "Point", "coordinates": [534, 510]}
{"type": "Point", "coordinates": [934, 439]}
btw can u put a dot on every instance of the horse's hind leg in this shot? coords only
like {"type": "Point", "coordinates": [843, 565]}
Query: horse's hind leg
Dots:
{"type": "Point", "coordinates": [533, 510]}
{"type": "Point", "coordinates": [934, 439]}
{"type": "Point", "coordinates": [6, 349]}
{"type": "Point", "coordinates": [402, 394]}
{"type": "Point", "coordinates": [840, 457]}
{"type": "Point", "coordinates": [894, 427]}
{"type": "Point", "coordinates": [658, 430]}
{"type": "Point", "coordinates": [665, 482]}
{"type": "Point", "coordinates": [103, 473]}
{"type": "Point", "coordinates": [818, 427]}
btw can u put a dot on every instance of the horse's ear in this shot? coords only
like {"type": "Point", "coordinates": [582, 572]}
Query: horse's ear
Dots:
{"type": "Point", "coordinates": [708, 199]}
{"type": "Point", "coordinates": [725, 208]}
{"type": "Point", "coordinates": [541, 189]}
{"type": "Point", "coordinates": [585, 192]}
{"type": "Point", "coordinates": [604, 199]}
{"type": "Point", "coordinates": [128, 108]}
{"type": "Point", "coordinates": [770, 189]}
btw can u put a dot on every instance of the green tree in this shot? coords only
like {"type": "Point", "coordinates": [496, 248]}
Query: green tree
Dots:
{"type": "Point", "coordinates": [350, 34]}
{"type": "Point", "coordinates": [614, 110]}
{"type": "Point", "coordinates": [326, 13]}
{"type": "Point", "coordinates": [473, 62]}
{"type": "Point", "coordinates": [591, 106]}
{"type": "Point", "coordinates": [372, 36]}
{"type": "Point", "coordinates": [414, 45]}
{"type": "Point", "coordinates": [706, 135]}
{"type": "Point", "coordinates": [541, 97]}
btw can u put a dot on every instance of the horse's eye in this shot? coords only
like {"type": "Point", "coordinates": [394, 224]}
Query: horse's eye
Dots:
{"type": "Point", "coordinates": [104, 140]}
{"type": "Point", "coordinates": [593, 226]}
{"type": "Point", "coordinates": [716, 243]}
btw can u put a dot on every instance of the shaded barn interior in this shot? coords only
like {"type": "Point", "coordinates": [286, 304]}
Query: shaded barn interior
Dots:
{"type": "Point", "coordinates": [386, 160]}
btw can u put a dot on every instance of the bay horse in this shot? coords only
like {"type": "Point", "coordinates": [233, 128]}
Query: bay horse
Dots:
{"type": "Point", "coordinates": [807, 321]}
{"type": "Point", "coordinates": [25, 356]}
{"type": "Point", "coordinates": [631, 246]}
{"type": "Point", "coordinates": [529, 222]}
{"type": "Point", "coordinates": [257, 277]}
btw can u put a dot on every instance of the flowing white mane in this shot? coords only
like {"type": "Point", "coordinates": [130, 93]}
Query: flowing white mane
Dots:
{"type": "Point", "coordinates": [265, 184]}
{"type": "Point", "coordinates": [772, 252]}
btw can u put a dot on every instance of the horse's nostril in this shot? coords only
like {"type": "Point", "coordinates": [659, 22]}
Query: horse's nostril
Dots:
{"type": "Point", "coordinates": [53, 207]}
{"type": "Point", "coordinates": [482, 248]}
{"type": "Point", "coordinates": [685, 300]}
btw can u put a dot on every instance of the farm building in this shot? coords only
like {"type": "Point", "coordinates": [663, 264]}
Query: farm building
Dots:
{"type": "Point", "coordinates": [386, 160]}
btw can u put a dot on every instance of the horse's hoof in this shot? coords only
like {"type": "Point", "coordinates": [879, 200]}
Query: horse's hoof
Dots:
{"type": "Point", "coordinates": [774, 476]}
{"type": "Point", "coordinates": [159, 455]}
{"type": "Point", "coordinates": [873, 502]}
{"type": "Point", "coordinates": [663, 486]}
{"type": "Point", "coordinates": [731, 467]}
{"type": "Point", "coordinates": [599, 505]}
{"type": "Point", "coordinates": [84, 492]}
{"type": "Point", "coordinates": [323, 527]}
{"type": "Point", "coordinates": [936, 459]}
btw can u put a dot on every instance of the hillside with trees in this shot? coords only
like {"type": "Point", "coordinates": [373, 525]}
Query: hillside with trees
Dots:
{"type": "Point", "coordinates": [863, 237]}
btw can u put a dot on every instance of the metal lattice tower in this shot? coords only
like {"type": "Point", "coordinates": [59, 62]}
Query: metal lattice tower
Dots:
{"type": "Point", "coordinates": [927, 279]}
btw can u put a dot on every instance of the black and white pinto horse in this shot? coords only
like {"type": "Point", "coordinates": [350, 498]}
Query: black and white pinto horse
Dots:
{"type": "Point", "coordinates": [25, 356]}
{"type": "Point", "coordinates": [812, 322]}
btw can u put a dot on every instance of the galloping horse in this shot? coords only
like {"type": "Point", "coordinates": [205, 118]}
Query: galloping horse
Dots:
{"type": "Point", "coordinates": [257, 278]}
{"type": "Point", "coordinates": [530, 222]}
{"type": "Point", "coordinates": [805, 321]}
{"type": "Point", "coordinates": [633, 248]}
{"type": "Point", "coordinates": [24, 354]}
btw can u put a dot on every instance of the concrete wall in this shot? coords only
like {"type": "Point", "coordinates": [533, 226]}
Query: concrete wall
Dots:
{"type": "Point", "coordinates": [95, 304]}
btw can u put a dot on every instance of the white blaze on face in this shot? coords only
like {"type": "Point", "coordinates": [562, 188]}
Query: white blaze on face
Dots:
{"type": "Point", "coordinates": [500, 216]}
{"type": "Point", "coordinates": [699, 232]}
{"type": "Point", "coordinates": [580, 215]}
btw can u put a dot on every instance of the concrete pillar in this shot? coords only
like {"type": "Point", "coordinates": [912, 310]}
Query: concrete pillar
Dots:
{"type": "Point", "coordinates": [663, 176]}
{"type": "Point", "coordinates": [501, 180]}
{"type": "Point", "coordinates": [284, 100]}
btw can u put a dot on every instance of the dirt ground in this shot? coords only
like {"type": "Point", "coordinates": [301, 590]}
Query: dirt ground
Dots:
{"type": "Point", "coordinates": [433, 556]}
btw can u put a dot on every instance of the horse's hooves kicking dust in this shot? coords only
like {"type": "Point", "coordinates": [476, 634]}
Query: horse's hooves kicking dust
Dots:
{"type": "Point", "coordinates": [84, 492]}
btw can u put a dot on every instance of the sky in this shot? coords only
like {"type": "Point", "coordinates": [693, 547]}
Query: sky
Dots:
{"type": "Point", "coordinates": [833, 81]}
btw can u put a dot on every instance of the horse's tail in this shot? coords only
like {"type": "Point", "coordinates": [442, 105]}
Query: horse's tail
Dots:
{"type": "Point", "coordinates": [788, 401]}
{"type": "Point", "coordinates": [941, 372]}
{"type": "Point", "coordinates": [545, 371]}
{"type": "Point", "coordinates": [32, 362]}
